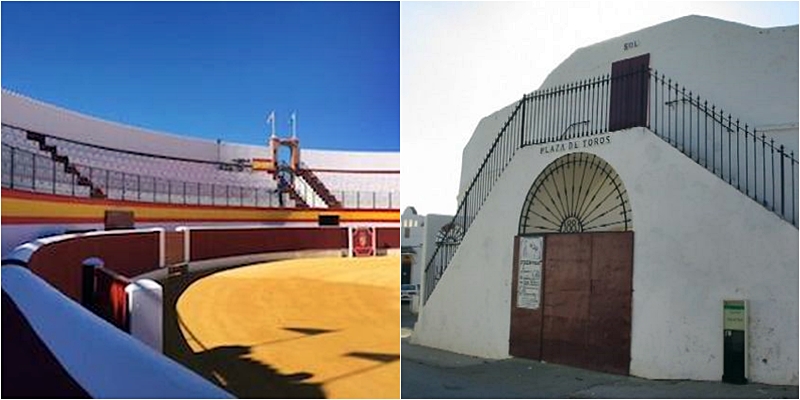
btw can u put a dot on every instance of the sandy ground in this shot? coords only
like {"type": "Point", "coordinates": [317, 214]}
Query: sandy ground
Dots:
{"type": "Point", "coordinates": [299, 328]}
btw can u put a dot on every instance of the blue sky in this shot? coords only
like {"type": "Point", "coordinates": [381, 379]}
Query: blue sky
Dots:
{"type": "Point", "coordinates": [215, 70]}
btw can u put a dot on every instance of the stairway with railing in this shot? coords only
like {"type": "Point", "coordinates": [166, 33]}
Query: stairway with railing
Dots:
{"type": "Point", "coordinates": [319, 188]}
{"type": "Point", "coordinates": [722, 144]}
{"type": "Point", "coordinates": [94, 190]}
{"type": "Point", "coordinates": [30, 164]}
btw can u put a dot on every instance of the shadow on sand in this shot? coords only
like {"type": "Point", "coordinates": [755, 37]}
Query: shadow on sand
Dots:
{"type": "Point", "coordinates": [230, 367]}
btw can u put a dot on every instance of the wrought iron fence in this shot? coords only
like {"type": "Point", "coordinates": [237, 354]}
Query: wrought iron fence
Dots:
{"type": "Point", "coordinates": [731, 150]}
{"type": "Point", "coordinates": [26, 170]}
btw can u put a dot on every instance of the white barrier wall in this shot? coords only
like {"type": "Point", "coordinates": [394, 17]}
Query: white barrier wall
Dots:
{"type": "Point", "coordinates": [146, 312]}
{"type": "Point", "coordinates": [103, 360]}
{"type": "Point", "coordinates": [697, 241]}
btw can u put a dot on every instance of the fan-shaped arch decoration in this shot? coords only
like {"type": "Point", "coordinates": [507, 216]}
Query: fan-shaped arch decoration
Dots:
{"type": "Point", "coordinates": [578, 192]}
{"type": "Point", "coordinates": [449, 234]}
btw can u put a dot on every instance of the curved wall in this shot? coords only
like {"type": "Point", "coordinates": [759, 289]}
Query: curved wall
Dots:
{"type": "Point", "coordinates": [698, 241]}
{"type": "Point", "coordinates": [58, 259]}
{"type": "Point", "coordinates": [37, 116]}
{"type": "Point", "coordinates": [751, 73]}
{"type": "Point", "coordinates": [30, 114]}
{"type": "Point", "coordinates": [56, 348]}
{"type": "Point", "coordinates": [28, 216]}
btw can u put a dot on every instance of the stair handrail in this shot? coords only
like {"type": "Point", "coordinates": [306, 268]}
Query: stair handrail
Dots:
{"type": "Point", "coordinates": [445, 251]}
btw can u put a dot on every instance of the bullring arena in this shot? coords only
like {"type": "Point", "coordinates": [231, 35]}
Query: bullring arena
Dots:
{"type": "Point", "coordinates": [332, 319]}
{"type": "Point", "coordinates": [143, 264]}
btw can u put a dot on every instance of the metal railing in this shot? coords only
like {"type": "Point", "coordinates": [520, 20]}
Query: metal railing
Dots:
{"type": "Point", "coordinates": [25, 170]}
{"type": "Point", "coordinates": [735, 152]}
{"type": "Point", "coordinates": [582, 109]}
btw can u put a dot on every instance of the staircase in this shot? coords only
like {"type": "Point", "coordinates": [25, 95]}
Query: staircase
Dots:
{"type": "Point", "coordinates": [721, 143]}
{"type": "Point", "coordinates": [94, 191]}
{"type": "Point", "coordinates": [288, 187]}
{"type": "Point", "coordinates": [319, 188]}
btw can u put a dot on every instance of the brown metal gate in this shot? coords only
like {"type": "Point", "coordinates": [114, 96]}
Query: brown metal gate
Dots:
{"type": "Point", "coordinates": [585, 314]}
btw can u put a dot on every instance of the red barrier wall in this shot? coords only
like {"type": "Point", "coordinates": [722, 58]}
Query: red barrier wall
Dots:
{"type": "Point", "coordinates": [128, 254]}
{"type": "Point", "coordinates": [387, 238]}
{"type": "Point", "coordinates": [218, 243]}
{"type": "Point", "coordinates": [110, 299]}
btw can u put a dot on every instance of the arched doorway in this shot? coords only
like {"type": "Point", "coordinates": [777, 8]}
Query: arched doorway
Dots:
{"type": "Point", "coordinates": [573, 267]}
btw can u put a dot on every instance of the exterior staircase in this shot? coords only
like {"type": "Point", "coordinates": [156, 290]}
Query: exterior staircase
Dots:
{"type": "Point", "coordinates": [726, 147]}
{"type": "Point", "coordinates": [319, 188]}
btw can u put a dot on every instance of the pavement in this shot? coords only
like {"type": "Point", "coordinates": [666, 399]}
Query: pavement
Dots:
{"type": "Point", "coordinates": [432, 373]}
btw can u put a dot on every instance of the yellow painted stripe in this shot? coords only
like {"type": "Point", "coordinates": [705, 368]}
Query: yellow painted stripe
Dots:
{"type": "Point", "coordinates": [27, 208]}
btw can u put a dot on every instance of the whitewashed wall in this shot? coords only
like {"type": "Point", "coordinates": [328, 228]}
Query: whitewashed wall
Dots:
{"type": "Point", "coordinates": [38, 116]}
{"type": "Point", "coordinates": [34, 115]}
{"type": "Point", "coordinates": [350, 160]}
{"type": "Point", "coordinates": [697, 241]}
{"type": "Point", "coordinates": [749, 72]}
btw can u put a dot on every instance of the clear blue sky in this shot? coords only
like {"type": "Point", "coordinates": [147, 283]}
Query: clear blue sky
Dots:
{"type": "Point", "coordinates": [215, 70]}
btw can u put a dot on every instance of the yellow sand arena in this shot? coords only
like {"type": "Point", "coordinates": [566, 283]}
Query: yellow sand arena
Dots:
{"type": "Point", "coordinates": [300, 328]}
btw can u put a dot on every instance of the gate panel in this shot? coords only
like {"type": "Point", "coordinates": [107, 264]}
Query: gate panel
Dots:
{"type": "Point", "coordinates": [526, 324]}
{"type": "Point", "coordinates": [567, 266]}
{"type": "Point", "coordinates": [611, 291]}
{"type": "Point", "coordinates": [585, 317]}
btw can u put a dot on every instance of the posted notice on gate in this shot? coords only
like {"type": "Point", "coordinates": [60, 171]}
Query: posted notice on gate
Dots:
{"type": "Point", "coordinates": [529, 278]}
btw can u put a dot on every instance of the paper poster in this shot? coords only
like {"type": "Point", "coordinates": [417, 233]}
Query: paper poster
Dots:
{"type": "Point", "coordinates": [529, 278]}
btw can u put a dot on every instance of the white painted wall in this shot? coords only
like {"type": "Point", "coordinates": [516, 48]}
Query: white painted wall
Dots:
{"type": "Point", "coordinates": [697, 242]}
{"type": "Point", "coordinates": [31, 114]}
{"type": "Point", "coordinates": [24, 112]}
{"type": "Point", "coordinates": [307, 193]}
{"type": "Point", "coordinates": [146, 311]}
{"type": "Point", "coordinates": [749, 72]}
{"type": "Point", "coordinates": [105, 361]}
{"type": "Point", "coordinates": [350, 160]}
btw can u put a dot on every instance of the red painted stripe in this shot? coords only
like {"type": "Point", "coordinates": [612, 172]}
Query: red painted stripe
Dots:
{"type": "Point", "coordinates": [57, 220]}
{"type": "Point", "coordinates": [356, 171]}
{"type": "Point", "coordinates": [48, 220]}
{"type": "Point", "coordinates": [19, 194]}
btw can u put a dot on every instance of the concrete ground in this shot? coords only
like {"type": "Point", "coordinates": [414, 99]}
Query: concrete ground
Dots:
{"type": "Point", "coordinates": [307, 328]}
{"type": "Point", "coordinates": [432, 373]}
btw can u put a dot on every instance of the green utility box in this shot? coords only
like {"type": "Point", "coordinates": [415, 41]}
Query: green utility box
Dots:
{"type": "Point", "coordinates": [734, 332]}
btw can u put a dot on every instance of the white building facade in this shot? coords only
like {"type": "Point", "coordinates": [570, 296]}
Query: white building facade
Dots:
{"type": "Point", "coordinates": [607, 216]}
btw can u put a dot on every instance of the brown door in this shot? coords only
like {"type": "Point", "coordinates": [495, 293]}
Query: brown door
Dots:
{"type": "Point", "coordinates": [585, 316]}
{"type": "Point", "coordinates": [629, 89]}
{"type": "Point", "coordinates": [610, 299]}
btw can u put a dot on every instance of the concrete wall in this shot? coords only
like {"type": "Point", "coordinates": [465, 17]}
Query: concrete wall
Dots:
{"type": "Point", "coordinates": [34, 115]}
{"type": "Point", "coordinates": [698, 241]}
{"type": "Point", "coordinates": [749, 72]}
{"type": "Point", "coordinates": [27, 113]}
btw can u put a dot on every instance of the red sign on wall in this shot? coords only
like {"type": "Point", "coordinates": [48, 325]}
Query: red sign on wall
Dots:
{"type": "Point", "coordinates": [363, 242]}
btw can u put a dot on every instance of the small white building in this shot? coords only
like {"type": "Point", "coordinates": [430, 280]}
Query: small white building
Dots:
{"type": "Point", "coordinates": [413, 232]}
{"type": "Point", "coordinates": [606, 217]}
